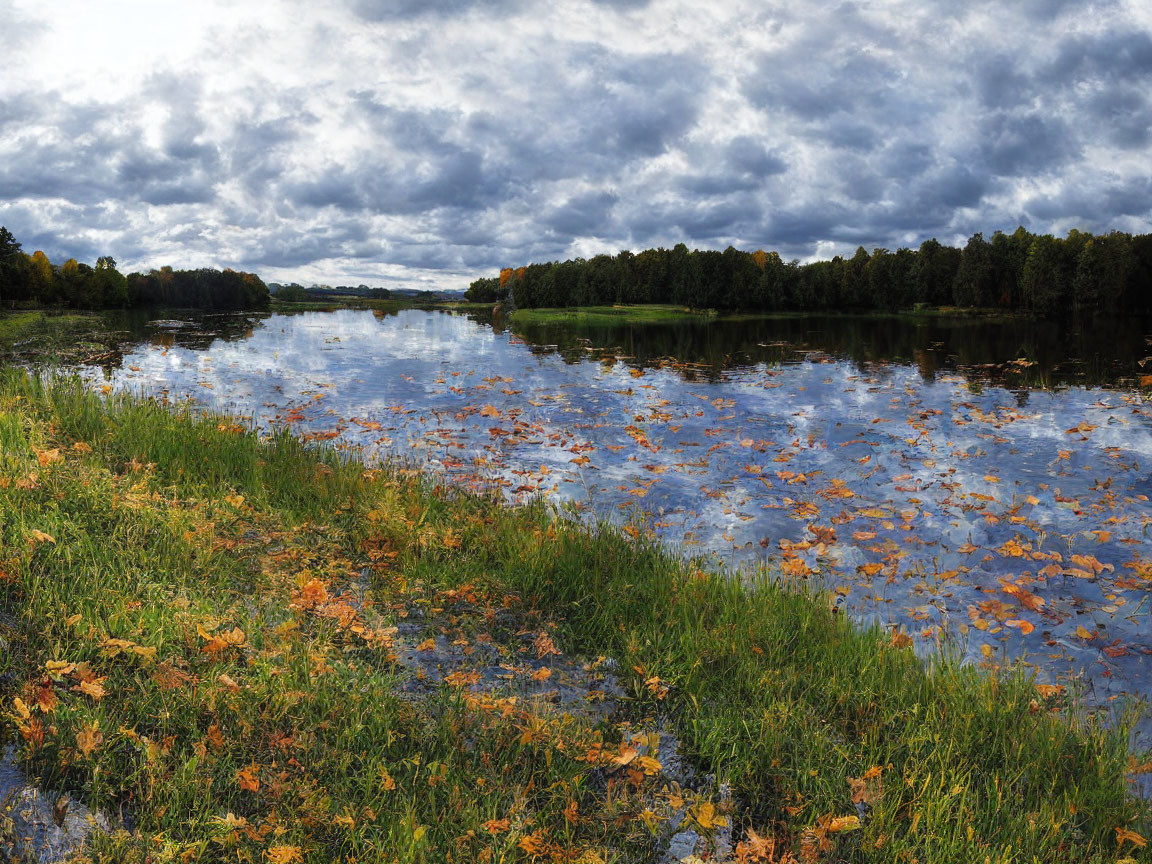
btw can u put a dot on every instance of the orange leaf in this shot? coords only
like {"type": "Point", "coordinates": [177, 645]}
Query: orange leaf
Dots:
{"type": "Point", "coordinates": [248, 778]}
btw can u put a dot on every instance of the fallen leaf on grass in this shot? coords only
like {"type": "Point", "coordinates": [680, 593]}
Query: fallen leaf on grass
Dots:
{"type": "Point", "coordinates": [1124, 835]}
{"type": "Point", "coordinates": [89, 738]}
{"type": "Point", "coordinates": [248, 778]}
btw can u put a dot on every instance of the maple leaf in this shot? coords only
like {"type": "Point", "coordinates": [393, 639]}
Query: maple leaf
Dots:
{"type": "Point", "coordinates": [89, 738]}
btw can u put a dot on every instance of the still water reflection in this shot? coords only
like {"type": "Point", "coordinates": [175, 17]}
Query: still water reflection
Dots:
{"type": "Point", "coordinates": [912, 473]}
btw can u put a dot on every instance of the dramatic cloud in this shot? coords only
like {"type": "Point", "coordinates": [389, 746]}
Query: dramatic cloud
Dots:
{"type": "Point", "coordinates": [431, 141]}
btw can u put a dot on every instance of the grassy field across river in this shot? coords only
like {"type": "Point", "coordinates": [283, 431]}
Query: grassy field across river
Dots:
{"type": "Point", "coordinates": [205, 633]}
{"type": "Point", "coordinates": [670, 314]}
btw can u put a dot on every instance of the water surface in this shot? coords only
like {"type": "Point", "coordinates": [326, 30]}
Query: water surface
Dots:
{"type": "Point", "coordinates": [916, 474]}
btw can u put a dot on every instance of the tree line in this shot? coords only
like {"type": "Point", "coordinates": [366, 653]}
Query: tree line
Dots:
{"type": "Point", "coordinates": [1038, 273]}
{"type": "Point", "coordinates": [33, 280]}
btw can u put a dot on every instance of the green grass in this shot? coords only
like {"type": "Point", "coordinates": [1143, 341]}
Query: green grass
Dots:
{"type": "Point", "coordinates": [670, 314]}
{"type": "Point", "coordinates": [204, 550]}
{"type": "Point", "coordinates": [599, 315]}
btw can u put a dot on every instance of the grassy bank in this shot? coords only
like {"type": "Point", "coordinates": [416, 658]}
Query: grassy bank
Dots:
{"type": "Point", "coordinates": [201, 638]}
{"type": "Point", "coordinates": [600, 315]}
{"type": "Point", "coordinates": [669, 314]}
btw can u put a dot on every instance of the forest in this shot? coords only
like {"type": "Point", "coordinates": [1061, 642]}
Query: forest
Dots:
{"type": "Point", "coordinates": [1049, 276]}
{"type": "Point", "coordinates": [32, 280]}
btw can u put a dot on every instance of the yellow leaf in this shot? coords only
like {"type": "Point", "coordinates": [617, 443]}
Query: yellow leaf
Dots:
{"type": "Point", "coordinates": [1083, 632]}
{"type": "Point", "coordinates": [1123, 835]}
{"type": "Point", "coordinates": [386, 781]}
{"type": "Point", "coordinates": [648, 765]}
{"type": "Point", "coordinates": [21, 709]}
{"type": "Point", "coordinates": [57, 669]}
{"type": "Point", "coordinates": [705, 816]}
{"type": "Point", "coordinates": [236, 501]}
{"type": "Point", "coordinates": [89, 738]}
{"type": "Point", "coordinates": [284, 854]}
{"type": "Point", "coordinates": [843, 823]}
{"type": "Point", "coordinates": [41, 537]}
{"type": "Point", "coordinates": [427, 645]}
{"type": "Point", "coordinates": [93, 689]}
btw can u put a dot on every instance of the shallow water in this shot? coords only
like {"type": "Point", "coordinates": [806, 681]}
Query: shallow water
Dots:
{"type": "Point", "coordinates": [935, 493]}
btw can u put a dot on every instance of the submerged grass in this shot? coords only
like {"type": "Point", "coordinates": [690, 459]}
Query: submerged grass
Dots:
{"type": "Point", "coordinates": [199, 628]}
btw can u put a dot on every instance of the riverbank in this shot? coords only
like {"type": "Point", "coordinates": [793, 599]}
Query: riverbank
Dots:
{"type": "Point", "coordinates": [236, 645]}
{"type": "Point", "coordinates": [671, 314]}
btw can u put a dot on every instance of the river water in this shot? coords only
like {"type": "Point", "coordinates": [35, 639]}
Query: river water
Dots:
{"type": "Point", "coordinates": [980, 485]}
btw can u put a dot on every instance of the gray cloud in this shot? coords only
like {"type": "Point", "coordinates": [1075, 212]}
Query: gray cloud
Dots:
{"type": "Point", "coordinates": [442, 138]}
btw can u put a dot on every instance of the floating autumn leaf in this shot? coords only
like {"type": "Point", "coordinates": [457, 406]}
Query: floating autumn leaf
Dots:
{"type": "Point", "coordinates": [1024, 627]}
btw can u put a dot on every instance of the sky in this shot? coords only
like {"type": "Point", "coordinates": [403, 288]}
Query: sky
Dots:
{"type": "Point", "coordinates": [425, 143]}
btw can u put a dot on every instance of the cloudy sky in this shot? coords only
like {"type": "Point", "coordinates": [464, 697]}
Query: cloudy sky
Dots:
{"type": "Point", "coordinates": [428, 142]}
